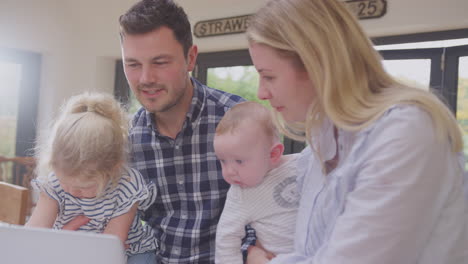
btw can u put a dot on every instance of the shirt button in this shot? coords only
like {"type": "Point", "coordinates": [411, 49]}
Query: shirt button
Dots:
{"type": "Point", "coordinates": [177, 147]}
{"type": "Point", "coordinates": [184, 216]}
{"type": "Point", "coordinates": [181, 182]}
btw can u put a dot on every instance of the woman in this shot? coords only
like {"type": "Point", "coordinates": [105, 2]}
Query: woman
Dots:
{"type": "Point", "coordinates": [383, 178]}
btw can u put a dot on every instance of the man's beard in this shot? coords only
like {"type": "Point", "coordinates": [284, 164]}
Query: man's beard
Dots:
{"type": "Point", "coordinates": [169, 105]}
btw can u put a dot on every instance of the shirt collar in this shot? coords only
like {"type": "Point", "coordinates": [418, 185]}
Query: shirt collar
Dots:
{"type": "Point", "coordinates": [198, 101]}
{"type": "Point", "coordinates": [325, 142]}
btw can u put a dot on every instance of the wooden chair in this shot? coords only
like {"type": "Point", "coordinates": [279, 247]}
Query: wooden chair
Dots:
{"type": "Point", "coordinates": [22, 169]}
{"type": "Point", "coordinates": [14, 203]}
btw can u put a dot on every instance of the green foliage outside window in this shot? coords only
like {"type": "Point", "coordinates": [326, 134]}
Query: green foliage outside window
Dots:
{"type": "Point", "coordinates": [462, 111]}
{"type": "Point", "coordinates": [243, 83]}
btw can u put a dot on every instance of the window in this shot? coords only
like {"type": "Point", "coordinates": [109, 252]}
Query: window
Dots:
{"type": "Point", "coordinates": [233, 72]}
{"type": "Point", "coordinates": [240, 80]}
{"type": "Point", "coordinates": [122, 90]}
{"type": "Point", "coordinates": [19, 89]}
{"type": "Point", "coordinates": [10, 75]}
{"type": "Point", "coordinates": [442, 59]}
{"type": "Point", "coordinates": [436, 59]}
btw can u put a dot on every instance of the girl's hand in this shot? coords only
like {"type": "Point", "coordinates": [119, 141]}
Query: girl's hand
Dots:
{"type": "Point", "coordinates": [76, 223]}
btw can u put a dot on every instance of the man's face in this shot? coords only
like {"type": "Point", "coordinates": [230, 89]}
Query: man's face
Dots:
{"type": "Point", "coordinates": [157, 70]}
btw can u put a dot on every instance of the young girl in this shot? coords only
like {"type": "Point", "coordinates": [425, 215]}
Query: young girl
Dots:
{"type": "Point", "coordinates": [84, 161]}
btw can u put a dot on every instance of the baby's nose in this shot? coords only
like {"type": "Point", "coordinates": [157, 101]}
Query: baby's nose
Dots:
{"type": "Point", "coordinates": [229, 171]}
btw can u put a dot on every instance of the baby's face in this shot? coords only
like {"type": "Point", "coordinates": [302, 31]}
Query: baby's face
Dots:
{"type": "Point", "coordinates": [244, 156]}
{"type": "Point", "coordinates": [77, 187]}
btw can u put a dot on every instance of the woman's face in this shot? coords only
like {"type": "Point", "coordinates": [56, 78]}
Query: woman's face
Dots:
{"type": "Point", "coordinates": [285, 85]}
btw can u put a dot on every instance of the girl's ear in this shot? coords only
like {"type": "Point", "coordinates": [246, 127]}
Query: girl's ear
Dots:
{"type": "Point", "coordinates": [276, 153]}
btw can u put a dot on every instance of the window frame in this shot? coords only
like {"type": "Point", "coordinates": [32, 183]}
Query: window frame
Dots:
{"type": "Point", "coordinates": [450, 80]}
{"type": "Point", "coordinates": [121, 87]}
{"type": "Point", "coordinates": [433, 54]}
{"type": "Point", "coordinates": [220, 59]}
{"type": "Point", "coordinates": [444, 61]}
{"type": "Point", "coordinates": [27, 111]}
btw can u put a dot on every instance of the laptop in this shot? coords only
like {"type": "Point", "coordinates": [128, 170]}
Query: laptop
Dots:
{"type": "Point", "coordinates": [25, 245]}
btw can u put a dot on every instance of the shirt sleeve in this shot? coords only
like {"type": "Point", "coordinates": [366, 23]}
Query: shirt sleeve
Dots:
{"type": "Point", "coordinates": [131, 189]}
{"type": "Point", "coordinates": [405, 177]}
{"type": "Point", "coordinates": [250, 239]}
{"type": "Point", "coordinates": [48, 185]}
{"type": "Point", "coordinates": [230, 230]}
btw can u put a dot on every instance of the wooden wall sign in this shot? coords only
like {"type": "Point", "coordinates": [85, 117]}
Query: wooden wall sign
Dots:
{"type": "Point", "coordinates": [222, 26]}
{"type": "Point", "coordinates": [364, 9]}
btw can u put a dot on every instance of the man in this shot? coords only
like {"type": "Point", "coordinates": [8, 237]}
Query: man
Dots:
{"type": "Point", "coordinates": [172, 135]}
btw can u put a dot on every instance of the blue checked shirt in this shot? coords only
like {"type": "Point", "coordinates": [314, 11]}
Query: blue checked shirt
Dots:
{"type": "Point", "coordinates": [190, 188]}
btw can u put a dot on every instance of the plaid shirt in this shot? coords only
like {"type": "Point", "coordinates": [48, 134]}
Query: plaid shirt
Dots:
{"type": "Point", "coordinates": [190, 186]}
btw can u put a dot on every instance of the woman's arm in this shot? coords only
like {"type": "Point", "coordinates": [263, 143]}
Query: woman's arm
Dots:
{"type": "Point", "coordinates": [120, 225]}
{"type": "Point", "coordinates": [404, 180]}
{"type": "Point", "coordinates": [45, 213]}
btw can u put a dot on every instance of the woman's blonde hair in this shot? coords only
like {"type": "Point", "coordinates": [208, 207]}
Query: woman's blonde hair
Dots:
{"type": "Point", "coordinates": [351, 86]}
{"type": "Point", "coordinates": [88, 140]}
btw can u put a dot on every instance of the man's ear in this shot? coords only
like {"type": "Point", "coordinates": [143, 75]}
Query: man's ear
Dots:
{"type": "Point", "coordinates": [276, 153]}
{"type": "Point", "coordinates": [192, 57]}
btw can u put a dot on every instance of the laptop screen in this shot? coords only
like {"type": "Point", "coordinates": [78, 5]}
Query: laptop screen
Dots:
{"type": "Point", "coordinates": [27, 245]}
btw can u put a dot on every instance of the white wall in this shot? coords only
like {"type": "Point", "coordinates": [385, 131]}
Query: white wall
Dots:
{"type": "Point", "coordinates": [78, 40]}
{"type": "Point", "coordinates": [70, 64]}
{"type": "Point", "coordinates": [402, 17]}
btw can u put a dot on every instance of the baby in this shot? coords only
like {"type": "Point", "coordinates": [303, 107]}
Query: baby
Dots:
{"type": "Point", "coordinates": [86, 158]}
{"type": "Point", "coordinates": [263, 189]}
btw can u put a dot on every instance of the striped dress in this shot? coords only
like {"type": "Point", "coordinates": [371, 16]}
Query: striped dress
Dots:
{"type": "Point", "coordinates": [114, 202]}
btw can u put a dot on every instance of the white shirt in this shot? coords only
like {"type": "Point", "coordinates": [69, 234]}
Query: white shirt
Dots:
{"type": "Point", "coordinates": [270, 208]}
{"type": "Point", "coordinates": [396, 197]}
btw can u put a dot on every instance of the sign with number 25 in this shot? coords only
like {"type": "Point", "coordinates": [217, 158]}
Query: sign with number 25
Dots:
{"type": "Point", "coordinates": [368, 8]}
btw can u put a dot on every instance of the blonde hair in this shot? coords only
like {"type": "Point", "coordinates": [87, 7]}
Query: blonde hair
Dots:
{"type": "Point", "coordinates": [352, 88]}
{"type": "Point", "coordinates": [249, 112]}
{"type": "Point", "coordinates": [89, 140]}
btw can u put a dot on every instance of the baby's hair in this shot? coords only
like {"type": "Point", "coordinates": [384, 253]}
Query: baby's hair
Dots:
{"type": "Point", "coordinates": [252, 112]}
{"type": "Point", "coordinates": [89, 139]}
